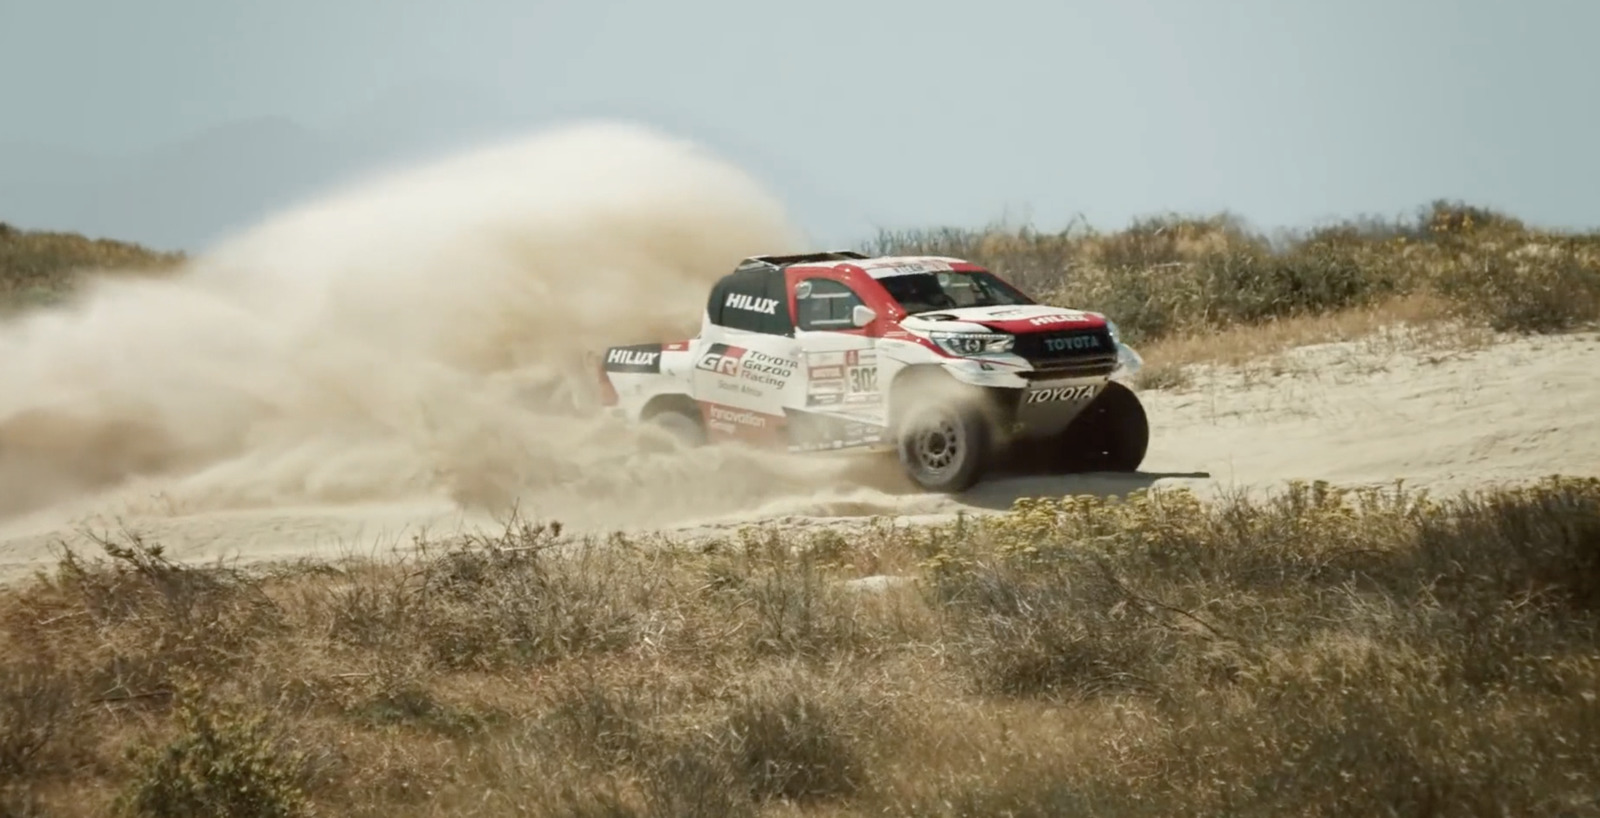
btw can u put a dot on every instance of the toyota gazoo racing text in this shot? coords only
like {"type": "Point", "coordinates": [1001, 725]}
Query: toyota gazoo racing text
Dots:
{"type": "Point", "coordinates": [935, 358]}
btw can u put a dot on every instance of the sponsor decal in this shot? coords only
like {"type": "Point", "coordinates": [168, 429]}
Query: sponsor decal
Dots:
{"type": "Point", "coordinates": [752, 303]}
{"type": "Point", "coordinates": [748, 365]}
{"type": "Point", "coordinates": [825, 445]}
{"type": "Point", "coordinates": [826, 393]}
{"type": "Point", "coordinates": [742, 388]}
{"type": "Point", "coordinates": [1072, 342]}
{"type": "Point", "coordinates": [641, 358]}
{"type": "Point", "coordinates": [846, 376]}
{"type": "Point", "coordinates": [729, 420]}
{"type": "Point", "coordinates": [1059, 394]}
{"type": "Point", "coordinates": [1047, 320]}
{"type": "Point", "coordinates": [834, 432]}
{"type": "Point", "coordinates": [721, 359]}
{"type": "Point", "coordinates": [908, 268]}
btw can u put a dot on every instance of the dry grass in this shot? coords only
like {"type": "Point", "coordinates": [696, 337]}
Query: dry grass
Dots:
{"type": "Point", "coordinates": [1314, 653]}
{"type": "Point", "coordinates": [1417, 323]}
{"type": "Point", "coordinates": [1173, 277]}
{"type": "Point", "coordinates": [1186, 290]}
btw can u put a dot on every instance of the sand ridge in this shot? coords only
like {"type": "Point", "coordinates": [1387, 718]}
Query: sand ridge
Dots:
{"type": "Point", "coordinates": [1512, 411]}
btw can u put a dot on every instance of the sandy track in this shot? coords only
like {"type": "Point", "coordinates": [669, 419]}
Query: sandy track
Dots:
{"type": "Point", "coordinates": [1361, 413]}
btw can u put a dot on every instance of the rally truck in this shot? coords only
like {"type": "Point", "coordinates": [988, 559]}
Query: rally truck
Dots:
{"type": "Point", "coordinates": [934, 358]}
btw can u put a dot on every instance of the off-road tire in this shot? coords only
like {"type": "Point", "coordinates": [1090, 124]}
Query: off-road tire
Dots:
{"type": "Point", "coordinates": [1112, 434]}
{"type": "Point", "coordinates": [682, 425]}
{"type": "Point", "coordinates": [943, 447]}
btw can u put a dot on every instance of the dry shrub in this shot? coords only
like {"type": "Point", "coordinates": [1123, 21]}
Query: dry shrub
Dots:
{"type": "Point", "coordinates": [490, 603]}
{"type": "Point", "coordinates": [1163, 376]}
{"type": "Point", "coordinates": [1376, 652]}
{"type": "Point", "coordinates": [690, 780]}
{"type": "Point", "coordinates": [40, 268]}
{"type": "Point", "coordinates": [600, 720]}
{"type": "Point", "coordinates": [38, 714]}
{"type": "Point", "coordinates": [135, 622]}
{"type": "Point", "coordinates": [1061, 628]}
{"type": "Point", "coordinates": [786, 598]}
{"type": "Point", "coordinates": [1528, 286]}
{"type": "Point", "coordinates": [1319, 651]}
{"type": "Point", "coordinates": [1538, 543]}
{"type": "Point", "coordinates": [1161, 276]}
{"type": "Point", "coordinates": [793, 738]}
{"type": "Point", "coordinates": [1375, 733]}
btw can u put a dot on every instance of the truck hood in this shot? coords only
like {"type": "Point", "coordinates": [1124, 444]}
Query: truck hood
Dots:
{"type": "Point", "coordinates": [1013, 319]}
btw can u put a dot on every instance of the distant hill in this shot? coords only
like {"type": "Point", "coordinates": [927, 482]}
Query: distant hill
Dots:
{"type": "Point", "coordinates": [192, 192]}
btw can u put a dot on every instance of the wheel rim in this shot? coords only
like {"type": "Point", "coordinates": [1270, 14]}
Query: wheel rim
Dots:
{"type": "Point", "coordinates": [937, 445]}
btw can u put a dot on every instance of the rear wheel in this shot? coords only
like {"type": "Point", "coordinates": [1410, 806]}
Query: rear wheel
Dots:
{"type": "Point", "coordinates": [681, 425]}
{"type": "Point", "coordinates": [943, 445]}
{"type": "Point", "coordinates": [1112, 434]}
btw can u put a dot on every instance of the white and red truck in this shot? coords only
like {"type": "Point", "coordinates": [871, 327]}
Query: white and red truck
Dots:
{"type": "Point", "coordinates": [935, 358]}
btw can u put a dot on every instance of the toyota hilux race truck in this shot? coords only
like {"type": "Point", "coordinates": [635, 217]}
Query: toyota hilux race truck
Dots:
{"type": "Point", "coordinates": [935, 358]}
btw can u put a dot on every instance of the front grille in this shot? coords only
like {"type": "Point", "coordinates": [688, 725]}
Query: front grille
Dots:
{"type": "Point", "coordinates": [1054, 370]}
{"type": "Point", "coordinates": [1063, 354]}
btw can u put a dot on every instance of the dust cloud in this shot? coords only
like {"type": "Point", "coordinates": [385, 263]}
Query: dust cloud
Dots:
{"type": "Point", "coordinates": [418, 336]}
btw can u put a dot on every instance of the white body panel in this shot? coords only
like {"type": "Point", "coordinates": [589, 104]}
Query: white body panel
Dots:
{"type": "Point", "coordinates": [831, 389]}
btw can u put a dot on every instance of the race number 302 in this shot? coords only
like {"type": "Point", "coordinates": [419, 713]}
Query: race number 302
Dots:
{"type": "Point", "coordinates": [862, 378]}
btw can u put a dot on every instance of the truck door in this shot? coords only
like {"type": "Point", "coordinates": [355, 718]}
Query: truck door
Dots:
{"type": "Point", "coordinates": [840, 359]}
{"type": "Point", "coordinates": [748, 366]}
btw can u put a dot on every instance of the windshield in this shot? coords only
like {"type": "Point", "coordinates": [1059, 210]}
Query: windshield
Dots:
{"type": "Point", "coordinates": [945, 290]}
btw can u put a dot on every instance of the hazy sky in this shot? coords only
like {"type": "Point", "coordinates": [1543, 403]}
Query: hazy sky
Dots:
{"type": "Point", "coordinates": [871, 112]}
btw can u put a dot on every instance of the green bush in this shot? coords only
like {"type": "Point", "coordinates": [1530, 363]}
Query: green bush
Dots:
{"type": "Point", "coordinates": [221, 763]}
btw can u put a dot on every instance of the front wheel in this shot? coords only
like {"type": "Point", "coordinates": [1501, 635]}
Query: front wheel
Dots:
{"type": "Point", "coordinates": [1112, 434]}
{"type": "Point", "coordinates": [943, 446]}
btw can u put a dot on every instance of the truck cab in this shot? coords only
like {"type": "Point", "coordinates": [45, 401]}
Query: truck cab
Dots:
{"type": "Point", "coordinates": [933, 357]}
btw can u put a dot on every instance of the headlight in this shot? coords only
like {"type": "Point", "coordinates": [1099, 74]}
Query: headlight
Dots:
{"type": "Point", "coordinates": [973, 343]}
{"type": "Point", "coordinates": [1111, 327]}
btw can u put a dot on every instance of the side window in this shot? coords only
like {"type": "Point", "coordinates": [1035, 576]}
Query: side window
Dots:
{"type": "Point", "coordinates": [752, 300]}
{"type": "Point", "coordinates": [824, 304]}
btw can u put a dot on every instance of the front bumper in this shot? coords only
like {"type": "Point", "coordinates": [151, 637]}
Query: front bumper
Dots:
{"type": "Point", "coordinates": [1016, 372]}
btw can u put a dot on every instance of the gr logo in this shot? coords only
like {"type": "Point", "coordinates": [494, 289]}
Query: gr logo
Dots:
{"type": "Point", "coordinates": [721, 359]}
{"type": "Point", "coordinates": [1072, 342]}
{"type": "Point", "coordinates": [1070, 394]}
